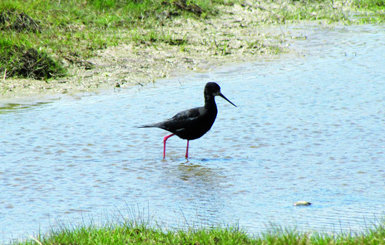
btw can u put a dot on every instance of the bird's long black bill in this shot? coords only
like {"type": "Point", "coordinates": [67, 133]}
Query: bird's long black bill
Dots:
{"type": "Point", "coordinates": [220, 94]}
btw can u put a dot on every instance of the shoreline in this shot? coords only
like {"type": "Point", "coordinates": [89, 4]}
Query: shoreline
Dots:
{"type": "Point", "coordinates": [234, 36]}
{"type": "Point", "coordinates": [239, 33]}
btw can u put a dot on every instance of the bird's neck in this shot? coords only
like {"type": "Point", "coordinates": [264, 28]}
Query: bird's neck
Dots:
{"type": "Point", "coordinates": [210, 102]}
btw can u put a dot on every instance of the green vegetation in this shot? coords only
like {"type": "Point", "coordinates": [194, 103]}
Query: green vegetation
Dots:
{"type": "Point", "coordinates": [40, 39]}
{"type": "Point", "coordinates": [129, 233]}
{"type": "Point", "coordinates": [370, 4]}
{"type": "Point", "coordinates": [370, 11]}
{"type": "Point", "coordinates": [347, 12]}
{"type": "Point", "coordinates": [72, 30]}
{"type": "Point", "coordinates": [20, 59]}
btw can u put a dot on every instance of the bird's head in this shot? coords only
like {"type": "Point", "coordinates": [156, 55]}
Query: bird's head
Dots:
{"type": "Point", "coordinates": [213, 89]}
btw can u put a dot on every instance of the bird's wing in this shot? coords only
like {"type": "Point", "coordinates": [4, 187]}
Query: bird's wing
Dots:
{"type": "Point", "coordinates": [182, 120]}
{"type": "Point", "coordinates": [188, 115]}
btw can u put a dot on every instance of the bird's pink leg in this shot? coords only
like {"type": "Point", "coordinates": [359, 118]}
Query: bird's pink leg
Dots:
{"type": "Point", "coordinates": [164, 144]}
{"type": "Point", "coordinates": [187, 149]}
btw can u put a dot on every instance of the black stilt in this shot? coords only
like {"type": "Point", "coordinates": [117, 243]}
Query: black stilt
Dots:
{"type": "Point", "coordinates": [194, 123]}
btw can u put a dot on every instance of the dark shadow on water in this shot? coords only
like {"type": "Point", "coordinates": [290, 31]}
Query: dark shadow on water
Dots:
{"type": "Point", "coordinates": [216, 159]}
{"type": "Point", "coordinates": [198, 161]}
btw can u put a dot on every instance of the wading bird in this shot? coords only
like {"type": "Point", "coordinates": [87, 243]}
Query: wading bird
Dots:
{"type": "Point", "coordinates": [193, 123]}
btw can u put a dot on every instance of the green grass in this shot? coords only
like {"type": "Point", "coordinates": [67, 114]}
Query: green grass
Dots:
{"type": "Point", "coordinates": [370, 4]}
{"type": "Point", "coordinates": [370, 11]}
{"type": "Point", "coordinates": [330, 11]}
{"type": "Point", "coordinates": [21, 59]}
{"type": "Point", "coordinates": [68, 32]}
{"type": "Point", "coordinates": [133, 233]}
{"type": "Point", "coordinates": [71, 31]}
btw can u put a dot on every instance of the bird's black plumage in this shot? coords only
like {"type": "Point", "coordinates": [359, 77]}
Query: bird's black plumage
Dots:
{"type": "Point", "coordinates": [193, 123]}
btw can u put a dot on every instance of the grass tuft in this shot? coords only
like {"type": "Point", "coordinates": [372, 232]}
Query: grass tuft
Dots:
{"type": "Point", "coordinates": [11, 19]}
{"type": "Point", "coordinates": [19, 60]}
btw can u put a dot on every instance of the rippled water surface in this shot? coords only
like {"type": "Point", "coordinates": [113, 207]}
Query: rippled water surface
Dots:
{"type": "Point", "coordinates": [309, 126]}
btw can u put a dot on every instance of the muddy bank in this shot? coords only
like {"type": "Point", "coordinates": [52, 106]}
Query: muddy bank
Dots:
{"type": "Point", "coordinates": [236, 35]}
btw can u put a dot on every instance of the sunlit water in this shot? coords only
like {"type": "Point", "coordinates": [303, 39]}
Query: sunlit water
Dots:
{"type": "Point", "coordinates": [309, 126]}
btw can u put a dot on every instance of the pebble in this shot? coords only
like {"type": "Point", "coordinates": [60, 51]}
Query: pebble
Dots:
{"type": "Point", "coordinates": [302, 203]}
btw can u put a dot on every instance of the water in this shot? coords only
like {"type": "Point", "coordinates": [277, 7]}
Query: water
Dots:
{"type": "Point", "coordinates": [308, 126]}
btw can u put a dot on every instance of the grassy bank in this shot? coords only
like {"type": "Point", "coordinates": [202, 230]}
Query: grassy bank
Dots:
{"type": "Point", "coordinates": [141, 234]}
{"type": "Point", "coordinates": [50, 35]}
{"type": "Point", "coordinates": [42, 39]}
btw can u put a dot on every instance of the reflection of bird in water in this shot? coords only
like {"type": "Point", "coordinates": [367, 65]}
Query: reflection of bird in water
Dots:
{"type": "Point", "coordinates": [193, 123]}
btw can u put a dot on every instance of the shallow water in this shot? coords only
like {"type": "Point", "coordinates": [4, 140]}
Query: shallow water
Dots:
{"type": "Point", "coordinates": [308, 126]}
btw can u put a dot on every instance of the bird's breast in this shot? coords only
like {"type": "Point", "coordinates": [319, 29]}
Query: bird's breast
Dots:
{"type": "Point", "coordinates": [197, 127]}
